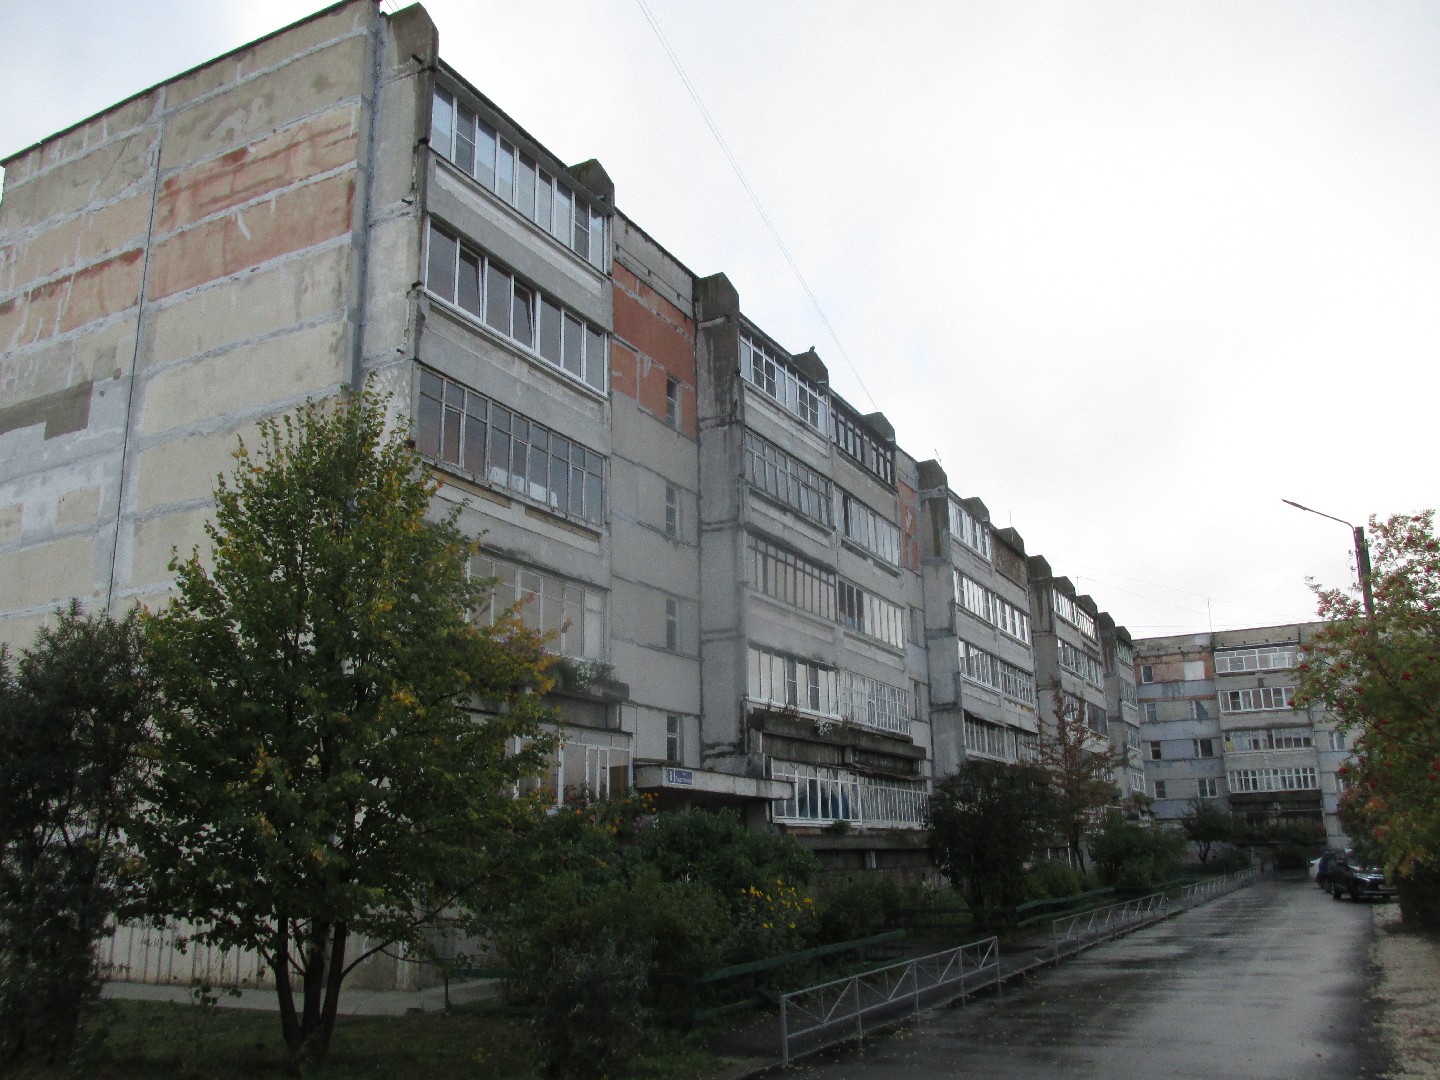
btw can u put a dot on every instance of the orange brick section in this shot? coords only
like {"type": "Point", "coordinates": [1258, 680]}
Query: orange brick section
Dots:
{"type": "Point", "coordinates": [101, 289]}
{"type": "Point", "coordinates": [655, 342]}
{"type": "Point", "coordinates": [656, 327]}
{"type": "Point", "coordinates": [290, 222]}
{"type": "Point", "coordinates": [287, 157]}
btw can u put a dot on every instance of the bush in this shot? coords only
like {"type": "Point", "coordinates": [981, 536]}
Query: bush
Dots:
{"type": "Point", "coordinates": [1420, 896]}
{"type": "Point", "coordinates": [716, 849]}
{"type": "Point", "coordinates": [683, 925]}
{"type": "Point", "coordinates": [589, 1020]}
{"type": "Point", "coordinates": [1227, 862]}
{"type": "Point", "coordinates": [857, 908]}
{"type": "Point", "coordinates": [769, 920]}
{"type": "Point", "coordinates": [1134, 856]}
{"type": "Point", "coordinates": [985, 821]}
{"type": "Point", "coordinates": [1051, 878]}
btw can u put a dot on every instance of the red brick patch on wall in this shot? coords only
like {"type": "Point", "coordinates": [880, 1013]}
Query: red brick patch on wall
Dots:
{"type": "Point", "coordinates": [298, 219]}
{"type": "Point", "coordinates": [93, 292]}
{"type": "Point", "coordinates": [287, 157]}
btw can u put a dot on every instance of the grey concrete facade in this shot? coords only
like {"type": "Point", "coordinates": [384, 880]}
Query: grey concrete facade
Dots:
{"type": "Point", "coordinates": [977, 626]}
{"type": "Point", "coordinates": [1122, 707]}
{"type": "Point", "coordinates": [1070, 670]}
{"type": "Point", "coordinates": [1218, 723]}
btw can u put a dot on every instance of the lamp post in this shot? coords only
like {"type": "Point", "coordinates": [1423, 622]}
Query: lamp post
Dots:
{"type": "Point", "coordinates": [1362, 554]}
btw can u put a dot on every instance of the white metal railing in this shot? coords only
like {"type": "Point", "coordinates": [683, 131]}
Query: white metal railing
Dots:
{"type": "Point", "coordinates": [836, 1010]}
{"type": "Point", "coordinates": [1073, 932]}
{"type": "Point", "coordinates": [1200, 891]}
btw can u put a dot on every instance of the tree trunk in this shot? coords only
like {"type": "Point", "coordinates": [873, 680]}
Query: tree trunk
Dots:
{"type": "Point", "coordinates": [333, 978]}
{"type": "Point", "coordinates": [285, 995]}
{"type": "Point", "coordinates": [310, 1049]}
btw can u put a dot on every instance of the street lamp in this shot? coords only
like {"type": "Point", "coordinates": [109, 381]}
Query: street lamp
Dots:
{"type": "Point", "coordinates": [1362, 554]}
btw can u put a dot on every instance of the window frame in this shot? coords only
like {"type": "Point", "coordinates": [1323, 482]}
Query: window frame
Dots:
{"type": "Point", "coordinates": [672, 624]}
{"type": "Point", "coordinates": [673, 411]}
{"type": "Point", "coordinates": [782, 476]}
{"type": "Point", "coordinates": [674, 739]}
{"type": "Point", "coordinates": [582, 469]}
{"type": "Point", "coordinates": [496, 313]}
{"type": "Point", "coordinates": [673, 517]}
{"type": "Point", "coordinates": [583, 235]}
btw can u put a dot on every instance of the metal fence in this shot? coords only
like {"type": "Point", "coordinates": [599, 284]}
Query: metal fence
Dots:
{"type": "Point", "coordinates": [835, 1011]}
{"type": "Point", "coordinates": [1200, 891]}
{"type": "Point", "coordinates": [1074, 932]}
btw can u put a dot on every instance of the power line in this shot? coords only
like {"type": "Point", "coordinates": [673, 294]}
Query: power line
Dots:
{"type": "Point", "coordinates": [754, 197]}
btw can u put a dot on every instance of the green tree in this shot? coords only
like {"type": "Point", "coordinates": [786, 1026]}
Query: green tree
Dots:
{"type": "Point", "coordinates": [1380, 676]}
{"type": "Point", "coordinates": [1082, 767]}
{"type": "Point", "coordinates": [1205, 825]}
{"type": "Point", "coordinates": [73, 733]}
{"type": "Point", "coordinates": [1134, 855]}
{"type": "Point", "coordinates": [338, 741]}
{"type": "Point", "coordinates": [986, 821]}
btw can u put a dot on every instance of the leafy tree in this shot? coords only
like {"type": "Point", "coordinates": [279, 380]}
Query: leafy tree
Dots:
{"type": "Point", "coordinates": [1205, 825]}
{"type": "Point", "coordinates": [1380, 676]}
{"type": "Point", "coordinates": [73, 731]}
{"type": "Point", "coordinates": [985, 822]}
{"type": "Point", "coordinates": [324, 773]}
{"type": "Point", "coordinates": [1082, 772]}
{"type": "Point", "coordinates": [1135, 855]}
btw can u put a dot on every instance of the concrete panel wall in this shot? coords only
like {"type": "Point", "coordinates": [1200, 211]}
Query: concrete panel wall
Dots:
{"type": "Point", "coordinates": [654, 340]}
{"type": "Point", "coordinates": [172, 271]}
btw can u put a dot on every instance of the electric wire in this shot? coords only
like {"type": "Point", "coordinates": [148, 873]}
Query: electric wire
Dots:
{"type": "Point", "coordinates": [754, 196]}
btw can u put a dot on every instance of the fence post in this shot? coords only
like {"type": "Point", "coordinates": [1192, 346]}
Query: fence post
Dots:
{"type": "Point", "coordinates": [859, 1013]}
{"type": "Point", "coordinates": [784, 1030]}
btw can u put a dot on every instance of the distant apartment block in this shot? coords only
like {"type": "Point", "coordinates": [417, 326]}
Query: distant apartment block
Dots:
{"type": "Point", "coordinates": [1218, 721]}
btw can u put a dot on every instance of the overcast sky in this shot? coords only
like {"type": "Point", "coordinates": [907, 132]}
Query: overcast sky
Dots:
{"type": "Point", "coordinates": [1133, 271]}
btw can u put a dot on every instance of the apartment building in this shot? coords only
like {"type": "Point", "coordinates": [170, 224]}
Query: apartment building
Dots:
{"type": "Point", "coordinates": [1122, 708]}
{"type": "Point", "coordinates": [759, 599]}
{"type": "Point", "coordinates": [811, 672]}
{"type": "Point", "coordinates": [977, 631]}
{"type": "Point", "coordinates": [1219, 722]}
{"type": "Point", "coordinates": [726, 551]}
{"type": "Point", "coordinates": [1070, 670]}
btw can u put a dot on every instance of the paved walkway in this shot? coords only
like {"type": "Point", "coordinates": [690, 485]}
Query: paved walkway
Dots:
{"type": "Point", "coordinates": [754, 1042]}
{"type": "Point", "coordinates": [1267, 983]}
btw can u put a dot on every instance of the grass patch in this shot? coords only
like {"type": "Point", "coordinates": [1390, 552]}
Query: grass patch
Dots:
{"type": "Point", "coordinates": [131, 1040]}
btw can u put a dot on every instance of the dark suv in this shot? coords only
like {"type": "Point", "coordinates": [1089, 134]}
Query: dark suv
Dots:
{"type": "Point", "coordinates": [1355, 880]}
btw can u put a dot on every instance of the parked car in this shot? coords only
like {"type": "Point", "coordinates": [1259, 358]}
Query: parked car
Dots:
{"type": "Point", "coordinates": [1354, 879]}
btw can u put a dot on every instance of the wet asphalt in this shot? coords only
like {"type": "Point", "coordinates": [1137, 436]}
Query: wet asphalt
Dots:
{"type": "Point", "coordinates": [1266, 983]}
